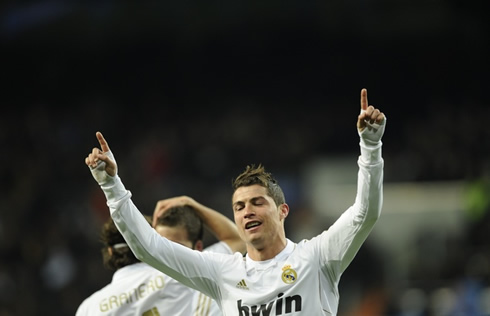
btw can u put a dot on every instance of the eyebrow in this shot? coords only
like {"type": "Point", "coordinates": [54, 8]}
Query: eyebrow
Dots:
{"type": "Point", "coordinates": [253, 199]}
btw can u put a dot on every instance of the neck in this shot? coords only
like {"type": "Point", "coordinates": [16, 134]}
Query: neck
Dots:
{"type": "Point", "coordinates": [268, 251]}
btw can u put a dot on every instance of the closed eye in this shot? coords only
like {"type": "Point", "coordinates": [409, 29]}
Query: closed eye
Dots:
{"type": "Point", "coordinates": [258, 201]}
{"type": "Point", "coordinates": [238, 207]}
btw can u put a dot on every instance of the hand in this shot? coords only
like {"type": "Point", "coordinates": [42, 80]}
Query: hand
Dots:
{"type": "Point", "coordinates": [371, 121]}
{"type": "Point", "coordinates": [166, 204]}
{"type": "Point", "coordinates": [100, 160]}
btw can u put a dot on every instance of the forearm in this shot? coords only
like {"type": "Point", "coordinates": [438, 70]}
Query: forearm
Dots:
{"type": "Point", "coordinates": [139, 235]}
{"type": "Point", "coordinates": [371, 152]}
{"type": "Point", "coordinates": [220, 226]}
{"type": "Point", "coordinates": [369, 196]}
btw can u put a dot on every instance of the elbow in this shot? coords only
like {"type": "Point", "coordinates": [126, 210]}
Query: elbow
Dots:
{"type": "Point", "coordinates": [140, 254]}
{"type": "Point", "coordinates": [369, 216]}
{"type": "Point", "coordinates": [371, 221]}
{"type": "Point", "coordinates": [374, 213]}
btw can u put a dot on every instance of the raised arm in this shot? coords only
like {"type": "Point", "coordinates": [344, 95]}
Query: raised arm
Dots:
{"type": "Point", "coordinates": [353, 227]}
{"type": "Point", "coordinates": [218, 224]}
{"type": "Point", "coordinates": [179, 262]}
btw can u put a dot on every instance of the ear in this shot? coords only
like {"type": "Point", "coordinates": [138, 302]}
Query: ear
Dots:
{"type": "Point", "coordinates": [109, 250]}
{"type": "Point", "coordinates": [283, 211]}
{"type": "Point", "coordinates": [199, 245]}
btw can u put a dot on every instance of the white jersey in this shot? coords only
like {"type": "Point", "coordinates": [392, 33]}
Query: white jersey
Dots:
{"type": "Point", "coordinates": [301, 280]}
{"type": "Point", "coordinates": [138, 289]}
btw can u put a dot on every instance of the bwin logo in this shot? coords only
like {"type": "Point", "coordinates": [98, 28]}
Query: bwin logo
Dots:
{"type": "Point", "coordinates": [283, 305]}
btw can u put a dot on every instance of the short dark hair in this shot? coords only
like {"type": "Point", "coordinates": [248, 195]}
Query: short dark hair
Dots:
{"type": "Point", "coordinates": [257, 175]}
{"type": "Point", "coordinates": [184, 216]}
{"type": "Point", "coordinates": [121, 256]}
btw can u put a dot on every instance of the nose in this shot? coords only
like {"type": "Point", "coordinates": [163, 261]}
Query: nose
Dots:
{"type": "Point", "coordinates": [249, 211]}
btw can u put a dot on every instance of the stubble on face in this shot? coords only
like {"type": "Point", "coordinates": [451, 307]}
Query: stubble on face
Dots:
{"type": "Point", "coordinates": [253, 206]}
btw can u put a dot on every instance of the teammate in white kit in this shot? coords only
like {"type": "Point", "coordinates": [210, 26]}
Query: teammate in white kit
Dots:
{"type": "Point", "coordinates": [136, 288]}
{"type": "Point", "coordinates": [139, 289]}
{"type": "Point", "coordinates": [277, 276]}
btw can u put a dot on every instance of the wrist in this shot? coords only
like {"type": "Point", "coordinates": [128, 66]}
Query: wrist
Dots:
{"type": "Point", "coordinates": [371, 151]}
{"type": "Point", "coordinates": [113, 188]}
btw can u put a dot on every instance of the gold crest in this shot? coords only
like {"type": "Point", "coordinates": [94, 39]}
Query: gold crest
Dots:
{"type": "Point", "coordinates": [289, 275]}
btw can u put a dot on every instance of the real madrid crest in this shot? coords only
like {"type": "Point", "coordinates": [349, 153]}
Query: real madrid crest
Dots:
{"type": "Point", "coordinates": [289, 275]}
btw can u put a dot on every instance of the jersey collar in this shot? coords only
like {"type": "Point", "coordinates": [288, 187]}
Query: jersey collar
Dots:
{"type": "Point", "coordinates": [264, 265]}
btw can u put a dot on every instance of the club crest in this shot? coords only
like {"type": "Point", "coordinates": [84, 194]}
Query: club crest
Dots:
{"type": "Point", "coordinates": [289, 275]}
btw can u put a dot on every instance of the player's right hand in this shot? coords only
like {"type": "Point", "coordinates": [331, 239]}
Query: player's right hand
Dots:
{"type": "Point", "coordinates": [101, 161]}
{"type": "Point", "coordinates": [166, 204]}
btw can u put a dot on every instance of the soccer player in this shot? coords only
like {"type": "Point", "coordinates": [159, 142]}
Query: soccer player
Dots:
{"type": "Point", "coordinates": [139, 289]}
{"type": "Point", "coordinates": [136, 288]}
{"type": "Point", "coordinates": [277, 276]}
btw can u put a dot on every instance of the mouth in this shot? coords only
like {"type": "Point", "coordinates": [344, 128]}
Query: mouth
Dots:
{"type": "Point", "coordinates": [252, 225]}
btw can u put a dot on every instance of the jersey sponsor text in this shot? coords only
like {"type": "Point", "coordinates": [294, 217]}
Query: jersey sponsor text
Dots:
{"type": "Point", "coordinates": [284, 305]}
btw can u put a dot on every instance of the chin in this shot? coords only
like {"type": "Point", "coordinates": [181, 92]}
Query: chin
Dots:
{"type": "Point", "coordinates": [257, 242]}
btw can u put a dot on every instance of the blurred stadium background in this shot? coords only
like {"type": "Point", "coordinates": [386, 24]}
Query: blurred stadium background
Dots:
{"type": "Point", "coordinates": [189, 93]}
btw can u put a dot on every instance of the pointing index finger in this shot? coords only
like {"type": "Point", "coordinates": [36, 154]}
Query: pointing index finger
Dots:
{"type": "Point", "coordinates": [364, 100]}
{"type": "Point", "coordinates": [103, 143]}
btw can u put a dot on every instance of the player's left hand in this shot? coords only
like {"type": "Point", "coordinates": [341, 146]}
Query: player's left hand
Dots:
{"type": "Point", "coordinates": [371, 121]}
